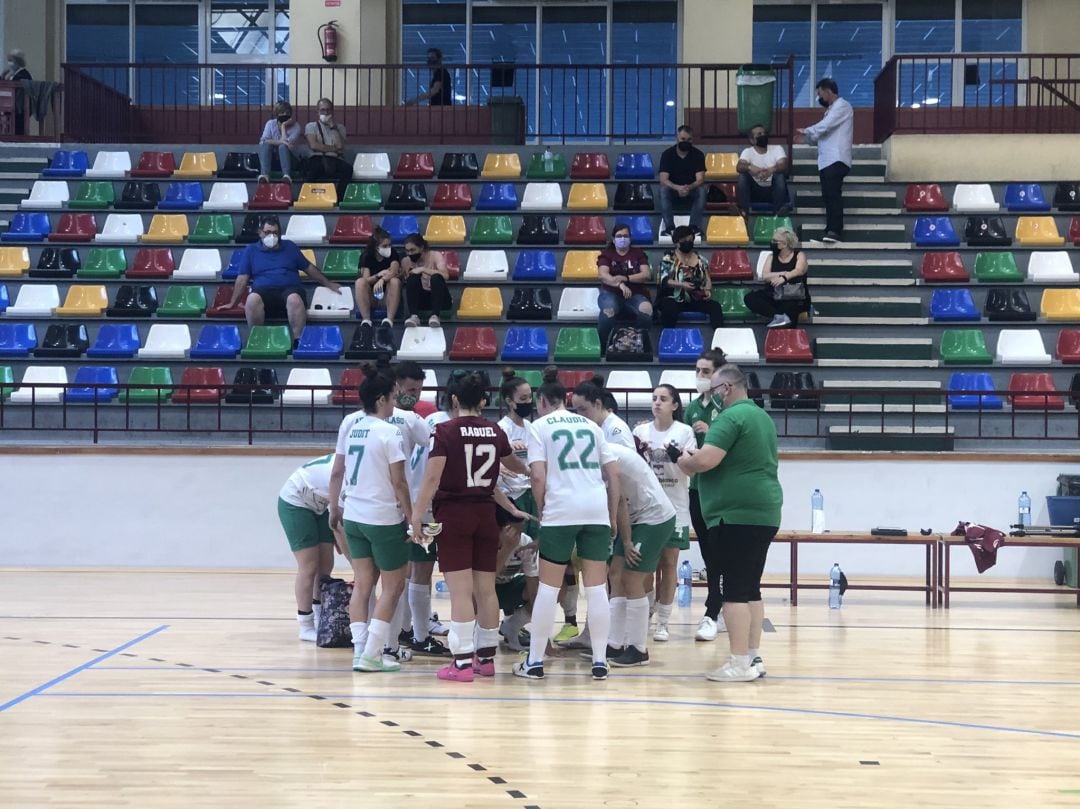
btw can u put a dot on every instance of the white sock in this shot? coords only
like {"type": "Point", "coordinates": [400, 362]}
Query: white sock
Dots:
{"type": "Point", "coordinates": [460, 638]}
{"type": "Point", "coordinates": [376, 639]}
{"type": "Point", "coordinates": [599, 619]}
{"type": "Point", "coordinates": [543, 619]}
{"type": "Point", "coordinates": [359, 631]}
{"type": "Point", "coordinates": [740, 661]}
{"type": "Point", "coordinates": [316, 610]}
{"type": "Point", "coordinates": [396, 623]}
{"type": "Point", "coordinates": [617, 636]}
{"type": "Point", "coordinates": [420, 604]}
{"type": "Point", "coordinates": [651, 595]}
{"type": "Point", "coordinates": [486, 638]}
{"type": "Point", "coordinates": [754, 653]}
{"type": "Point", "coordinates": [568, 601]}
{"type": "Point", "coordinates": [406, 610]}
{"type": "Point", "coordinates": [637, 622]}
{"type": "Point", "coordinates": [663, 612]}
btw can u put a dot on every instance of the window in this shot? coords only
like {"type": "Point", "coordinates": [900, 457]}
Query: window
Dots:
{"type": "Point", "coordinates": [505, 35]}
{"type": "Point", "coordinates": [433, 24]}
{"type": "Point", "coordinates": [991, 26]}
{"type": "Point", "coordinates": [573, 102]}
{"type": "Point", "coordinates": [849, 48]}
{"type": "Point", "coordinates": [780, 31]}
{"type": "Point", "coordinates": [167, 35]}
{"type": "Point", "coordinates": [925, 26]}
{"type": "Point", "coordinates": [100, 33]}
{"type": "Point", "coordinates": [644, 101]}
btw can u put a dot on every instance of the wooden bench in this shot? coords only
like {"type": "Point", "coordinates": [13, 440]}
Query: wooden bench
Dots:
{"type": "Point", "coordinates": [945, 567]}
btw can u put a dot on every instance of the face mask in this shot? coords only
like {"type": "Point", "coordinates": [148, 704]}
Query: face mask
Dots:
{"type": "Point", "coordinates": [775, 246]}
{"type": "Point", "coordinates": [270, 240]}
{"type": "Point", "coordinates": [325, 118]}
{"type": "Point", "coordinates": [284, 117]}
{"type": "Point", "coordinates": [385, 252]}
{"type": "Point", "coordinates": [406, 401]}
{"type": "Point", "coordinates": [822, 102]}
{"type": "Point", "coordinates": [621, 242]}
{"type": "Point", "coordinates": [523, 409]}
{"type": "Point", "coordinates": [686, 247]}
{"type": "Point", "coordinates": [762, 141]}
{"type": "Point", "coordinates": [684, 146]}
{"type": "Point", "coordinates": [11, 66]}
{"type": "Point", "coordinates": [703, 385]}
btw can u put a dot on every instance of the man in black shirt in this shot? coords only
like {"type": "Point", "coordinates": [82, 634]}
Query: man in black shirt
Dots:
{"type": "Point", "coordinates": [682, 177]}
{"type": "Point", "coordinates": [440, 92]}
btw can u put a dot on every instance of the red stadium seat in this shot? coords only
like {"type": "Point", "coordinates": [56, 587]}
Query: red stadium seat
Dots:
{"type": "Point", "coordinates": [452, 197]}
{"type": "Point", "coordinates": [347, 391]}
{"type": "Point", "coordinates": [730, 265]}
{"type": "Point", "coordinates": [571, 379]}
{"type": "Point", "coordinates": [788, 346]}
{"type": "Point", "coordinates": [474, 343]}
{"type": "Point", "coordinates": [925, 197]}
{"type": "Point", "coordinates": [453, 264]}
{"type": "Point", "coordinates": [590, 166]}
{"type": "Point", "coordinates": [152, 262]}
{"type": "Point", "coordinates": [208, 386]}
{"type": "Point", "coordinates": [75, 227]}
{"type": "Point", "coordinates": [415, 166]}
{"type": "Point", "coordinates": [1074, 231]}
{"type": "Point", "coordinates": [271, 197]}
{"type": "Point", "coordinates": [154, 164]}
{"type": "Point", "coordinates": [1034, 388]}
{"type": "Point", "coordinates": [1068, 346]}
{"type": "Point", "coordinates": [586, 230]}
{"type": "Point", "coordinates": [352, 229]}
{"type": "Point", "coordinates": [944, 268]}
{"type": "Point", "coordinates": [716, 190]}
{"type": "Point", "coordinates": [222, 297]}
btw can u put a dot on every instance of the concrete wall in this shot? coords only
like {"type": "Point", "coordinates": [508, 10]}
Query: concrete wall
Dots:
{"type": "Point", "coordinates": [1053, 26]}
{"type": "Point", "coordinates": [35, 27]}
{"type": "Point", "coordinates": [971, 158]}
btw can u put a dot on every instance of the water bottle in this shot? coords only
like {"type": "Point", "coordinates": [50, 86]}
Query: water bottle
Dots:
{"type": "Point", "coordinates": [835, 599]}
{"type": "Point", "coordinates": [686, 576]}
{"type": "Point", "coordinates": [379, 293]}
{"type": "Point", "coordinates": [817, 513]}
{"type": "Point", "coordinates": [440, 587]}
{"type": "Point", "coordinates": [1024, 504]}
{"type": "Point", "coordinates": [549, 161]}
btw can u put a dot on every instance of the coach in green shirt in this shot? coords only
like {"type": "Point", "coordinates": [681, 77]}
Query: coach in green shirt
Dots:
{"type": "Point", "coordinates": [740, 500]}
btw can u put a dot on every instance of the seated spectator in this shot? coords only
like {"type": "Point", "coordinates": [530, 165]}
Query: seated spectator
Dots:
{"type": "Point", "coordinates": [284, 133]}
{"type": "Point", "coordinates": [16, 71]}
{"type": "Point", "coordinates": [685, 285]}
{"type": "Point", "coordinates": [273, 266]}
{"type": "Point", "coordinates": [624, 274]}
{"type": "Point", "coordinates": [682, 181]}
{"type": "Point", "coordinates": [785, 294]}
{"type": "Point", "coordinates": [380, 278]}
{"type": "Point", "coordinates": [762, 170]}
{"type": "Point", "coordinates": [326, 142]}
{"type": "Point", "coordinates": [425, 281]}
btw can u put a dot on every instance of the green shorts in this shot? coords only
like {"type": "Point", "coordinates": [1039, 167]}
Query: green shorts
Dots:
{"type": "Point", "coordinates": [653, 539]}
{"type": "Point", "coordinates": [527, 503]}
{"type": "Point", "coordinates": [387, 545]}
{"type": "Point", "coordinates": [511, 594]}
{"type": "Point", "coordinates": [304, 528]}
{"type": "Point", "coordinates": [417, 552]}
{"type": "Point", "coordinates": [680, 539]}
{"type": "Point", "coordinates": [558, 542]}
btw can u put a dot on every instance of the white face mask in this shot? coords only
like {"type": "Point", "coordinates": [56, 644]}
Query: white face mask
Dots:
{"type": "Point", "coordinates": [270, 240]}
{"type": "Point", "coordinates": [384, 252]}
{"type": "Point", "coordinates": [704, 385]}
{"type": "Point", "coordinates": [325, 118]}
{"type": "Point", "coordinates": [11, 66]}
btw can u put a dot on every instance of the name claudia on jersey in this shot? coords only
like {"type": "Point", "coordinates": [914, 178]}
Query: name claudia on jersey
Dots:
{"type": "Point", "coordinates": [568, 419]}
{"type": "Point", "coordinates": [477, 432]}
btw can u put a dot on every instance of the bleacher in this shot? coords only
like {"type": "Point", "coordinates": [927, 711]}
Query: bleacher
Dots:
{"type": "Point", "coordinates": [115, 265]}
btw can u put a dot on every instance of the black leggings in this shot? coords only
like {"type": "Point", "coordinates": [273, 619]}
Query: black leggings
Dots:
{"type": "Point", "coordinates": [420, 300]}
{"type": "Point", "coordinates": [761, 302]}
{"type": "Point", "coordinates": [715, 600]}
{"type": "Point", "coordinates": [742, 550]}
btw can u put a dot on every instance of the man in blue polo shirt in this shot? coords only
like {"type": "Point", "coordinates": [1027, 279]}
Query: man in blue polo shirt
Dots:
{"type": "Point", "coordinates": [273, 266]}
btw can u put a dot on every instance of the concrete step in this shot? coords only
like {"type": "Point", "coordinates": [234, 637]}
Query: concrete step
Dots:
{"type": "Point", "coordinates": [869, 310]}
{"type": "Point", "coordinates": [911, 352]}
{"type": "Point", "coordinates": [858, 233]}
{"type": "Point", "coordinates": [875, 438]}
{"type": "Point", "coordinates": [876, 169]}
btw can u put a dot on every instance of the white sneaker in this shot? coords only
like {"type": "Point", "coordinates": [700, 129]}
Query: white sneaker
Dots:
{"type": "Point", "coordinates": [434, 321]}
{"type": "Point", "coordinates": [758, 664]}
{"type": "Point", "coordinates": [435, 627]}
{"type": "Point", "coordinates": [661, 633]}
{"type": "Point", "coordinates": [307, 628]}
{"type": "Point", "coordinates": [706, 629]}
{"type": "Point", "coordinates": [779, 320]}
{"type": "Point", "coordinates": [412, 320]}
{"type": "Point", "coordinates": [732, 673]}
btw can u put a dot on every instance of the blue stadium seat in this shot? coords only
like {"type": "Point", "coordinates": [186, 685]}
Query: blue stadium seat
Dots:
{"type": "Point", "coordinates": [27, 227]}
{"type": "Point", "coordinates": [182, 197]}
{"type": "Point", "coordinates": [1025, 198]}
{"type": "Point", "coordinates": [17, 339]}
{"type": "Point", "coordinates": [233, 270]}
{"type": "Point", "coordinates": [217, 342]}
{"type": "Point", "coordinates": [951, 305]}
{"type": "Point", "coordinates": [319, 343]}
{"type": "Point", "coordinates": [80, 391]}
{"type": "Point", "coordinates": [966, 381]}
{"type": "Point", "coordinates": [497, 197]}
{"type": "Point", "coordinates": [535, 265]}
{"type": "Point", "coordinates": [67, 163]}
{"type": "Point", "coordinates": [399, 226]}
{"type": "Point", "coordinates": [4, 300]}
{"type": "Point", "coordinates": [116, 341]}
{"type": "Point", "coordinates": [680, 345]}
{"type": "Point", "coordinates": [934, 231]}
{"type": "Point", "coordinates": [634, 166]}
{"type": "Point", "coordinates": [525, 344]}
{"type": "Point", "coordinates": [641, 231]}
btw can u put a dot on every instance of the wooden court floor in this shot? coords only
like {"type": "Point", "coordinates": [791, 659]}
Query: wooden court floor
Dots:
{"type": "Point", "coordinates": [155, 689]}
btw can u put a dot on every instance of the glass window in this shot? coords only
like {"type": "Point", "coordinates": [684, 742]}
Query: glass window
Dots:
{"type": "Point", "coordinates": [100, 33]}
{"type": "Point", "coordinates": [991, 26]}
{"type": "Point", "coordinates": [780, 31]}
{"type": "Point", "coordinates": [572, 102]}
{"type": "Point", "coordinates": [432, 24]}
{"type": "Point", "coordinates": [281, 21]}
{"type": "Point", "coordinates": [925, 26]}
{"type": "Point", "coordinates": [240, 27]}
{"type": "Point", "coordinates": [849, 49]}
{"type": "Point", "coordinates": [643, 101]}
{"type": "Point", "coordinates": [506, 36]}
{"type": "Point", "coordinates": [167, 35]}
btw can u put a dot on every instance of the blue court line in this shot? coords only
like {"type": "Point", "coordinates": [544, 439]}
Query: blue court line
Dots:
{"type": "Point", "coordinates": [33, 692]}
{"type": "Point", "coordinates": [586, 700]}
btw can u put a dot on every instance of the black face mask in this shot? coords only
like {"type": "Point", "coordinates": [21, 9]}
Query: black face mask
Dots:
{"type": "Point", "coordinates": [433, 61]}
{"type": "Point", "coordinates": [822, 102]}
{"type": "Point", "coordinates": [523, 409]}
{"type": "Point", "coordinates": [686, 247]}
{"type": "Point", "coordinates": [762, 141]}
{"type": "Point", "coordinates": [775, 246]}
{"type": "Point", "coordinates": [684, 146]}
{"type": "Point", "coordinates": [283, 118]}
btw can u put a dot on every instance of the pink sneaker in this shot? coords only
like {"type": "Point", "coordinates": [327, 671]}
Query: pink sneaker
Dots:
{"type": "Point", "coordinates": [454, 674]}
{"type": "Point", "coordinates": [483, 669]}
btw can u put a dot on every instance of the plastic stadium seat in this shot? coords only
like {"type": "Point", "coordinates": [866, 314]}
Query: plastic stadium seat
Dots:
{"type": "Point", "coordinates": [1004, 304]}
{"type": "Point", "coordinates": [62, 340]}
{"type": "Point", "coordinates": [632, 389]}
{"type": "Point", "coordinates": [682, 380]}
{"type": "Point", "coordinates": [997, 268]}
{"type": "Point", "coordinates": [255, 386]}
{"type": "Point", "coordinates": [102, 262]}
{"type": "Point", "coordinates": [934, 231]}
{"type": "Point", "coordinates": [944, 268]}
{"type": "Point", "coordinates": [183, 301]}
{"type": "Point", "coordinates": [1025, 197]}
{"type": "Point", "coordinates": [949, 305]}
{"type": "Point", "coordinates": [217, 342]}
{"type": "Point", "coordinates": [233, 269]}
{"type": "Point", "coordinates": [57, 262]}
{"type": "Point", "coordinates": [964, 347]}
{"type": "Point", "coordinates": [67, 163]}
{"type": "Point", "coordinates": [1061, 304]}
{"type": "Point", "coordinates": [182, 197]}
{"type": "Point", "coordinates": [501, 166]}
{"type": "Point", "coordinates": [580, 265]}
{"type": "Point", "coordinates": [4, 299]}
{"type": "Point", "coordinates": [371, 166]}
{"type": "Point", "coordinates": [307, 387]}
{"type": "Point", "coordinates": [317, 197]}
{"type": "Point", "coordinates": [459, 166]}
{"type": "Point", "coordinates": [924, 198]}
{"type": "Point", "coordinates": [534, 265]}
{"type": "Point", "coordinates": [634, 166]}
{"type": "Point", "coordinates": [974, 198]}
{"type": "Point", "coordinates": [423, 343]}
{"type": "Point", "coordinates": [319, 343]}
{"type": "Point", "coordinates": [577, 345]}
{"type": "Point", "coordinates": [542, 197]}
{"type": "Point", "coordinates": [167, 342]}
{"type": "Point", "coordinates": [493, 229]}
{"type": "Point", "coordinates": [682, 345]}
{"type": "Point", "coordinates": [634, 197]}
{"type": "Point", "coordinates": [680, 221]}
{"type": "Point", "coordinates": [1067, 197]}
{"type": "Point", "coordinates": [198, 264]}
{"type": "Point", "coordinates": [399, 226]}
{"type": "Point", "coordinates": [1068, 346]}
{"type": "Point", "coordinates": [730, 265]}
{"type": "Point", "coordinates": [641, 231]}
{"type": "Point", "coordinates": [530, 303]}
{"type": "Point", "coordinates": [133, 301]}
{"type": "Point", "coordinates": [453, 264]}
{"type": "Point", "coordinates": [14, 261]}
{"type": "Point", "coordinates": [1034, 391]}
{"type": "Point", "coordinates": [166, 228]}
{"type": "Point", "coordinates": [227, 197]}
{"type": "Point", "coordinates": [766, 226]}
{"type": "Point", "coordinates": [46, 194]}
{"type": "Point", "coordinates": [110, 166]}
{"type": "Point", "coordinates": [547, 166]}
{"type": "Point", "coordinates": [81, 301]}
{"type": "Point", "coordinates": [722, 197]}
{"type": "Point", "coordinates": [788, 346]}
{"type": "Point", "coordinates": [1074, 230]}
{"type": "Point", "coordinates": [726, 230]}
{"type": "Point", "coordinates": [1021, 347]}
{"type": "Point", "coordinates": [795, 390]}
{"type": "Point", "coordinates": [969, 386]}
{"type": "Point", "coordinates": [474, 344]}
{"type": "Point", "coordinates": [452, 197]}
{"type": "Point", "coordinates": [138, 196]}
{"type": "Point", "coordinates": [93, 195]}
{"type": "Point", "coordinates": [497, 197]}
{"type": "Point", "coordinates": [486, 265]}
{"type": "Point", "coordinates": [306, 229]}
{"type": "Point", "coordinates": [585, 230]}
{"type": "Point", "coordinates": [75, 227]}
{"type": "Point", "coordinates": [1053, 267]}
{"type": "Point", "coordinates": [201, 165]}
{"type": "Point", "coordinates": [27, 393]}
{"type": "Point", "coordinates": [154, 164]}
{"type": "Point", "coordinates": [147, 384]}
{"type": "Point", "coordinates": [590, 166]}
{"type": "Point", "coordinates": [414, 166]}
{"type": "Point", "coordinates": [329, 305]}
{"type": "Point", "coordinates": [587, 197]}
{"type": "Point", "coordinates": [17, 339]}
{"type": "Point", "coordinates": [27, 227]}
{"type": "Point", "coordinates": [347, 391]}
{"type": "Point", "coordinates": [155, 262]}
{"type": "Point", "coordinates": [362, 197]}
{"type": "Point", "coordinates": [115, 341]}
{"type": "Point", "coordinates": [7, 381]}
{"type": "Point", "coordinates": [268, 343]}
{"type": "Point", "coordinates": [524, 344]}
{"type": "Point", "coordinates": [239, 166]}
{"type": "Point", "coordinates": [271, 197]}
{"type": "Point", "coordinates": [341, 265]}
{"type": "Point", "coordinates": [200, 386]}
{"type": "Point", "coordinates": [352, 229]}
{"type": "Point", "coordinates": [220, 307]}
{"type": "Point", "coordinates": [721, 166]}
{"type": "Point", "coordinates": [579, 304]}
{"type": "Point", "coordinates": [1038, 231]}
{"type": "Point", "coordinates": [538, 229]}
{"type": "Point", "coordinates": [738, 344]}
{"type": "Point", "coordinates": [445, 229]}
{"type": "Point", "coordinates": [407, 197]}
{"type": "Point", "coordinates": [484, 303]}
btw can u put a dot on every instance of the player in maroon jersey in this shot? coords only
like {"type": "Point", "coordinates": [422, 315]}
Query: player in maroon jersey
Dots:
{"type": "Point", "coordinates": [459, 482]}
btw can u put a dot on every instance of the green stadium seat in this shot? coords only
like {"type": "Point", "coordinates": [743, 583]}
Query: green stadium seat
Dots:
{"type": "Point", "coordinates": [104, 262]}
{"type": "Point", "coordinates": [267, 343]}
{"type": "Point", "coordinates": [997, 268]}
{"type": "Point", "coordinates": [539, 168]}
{"type": "Point", "coordinates": [731, 301]}
{"type": "Point", "coordinates": [493, 230]}
{"type": "Point", "coordinates": [183, 301]}
{"type": "Point", "coordinates": [212, 229]}
{"type": "Point", "coordinates": [362, 197]}
{"type": "Point", "coordinates": [342, 265]}
{"type": "Point", "coordinates": [93, 195]}
{"type": "Point", "coordinates": [765, 226]}
{"type": "Point", "coordinates": [7, 381]}
{"type": "Point", "coordinates": [964, 347]}
{"type": "Point", "coordinates": [577, 345]}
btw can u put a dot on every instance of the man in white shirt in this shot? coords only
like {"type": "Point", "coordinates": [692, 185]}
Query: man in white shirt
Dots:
{"type": "Point", "coordinates": [761, 174]}
{"type": "Point", "coordinates": [833, 135]}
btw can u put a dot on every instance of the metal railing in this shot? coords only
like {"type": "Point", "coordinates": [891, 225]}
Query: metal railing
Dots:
{"type": "Point", "coordinates": [997, 93]}
{"type": "Point", "coordinates": [492, 103]}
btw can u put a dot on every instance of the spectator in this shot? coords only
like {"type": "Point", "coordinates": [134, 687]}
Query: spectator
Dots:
{"type": "Point", "coordinates": [326, 141]}
{"type": "Point", "coordinates": [682, 177]}
{"type": "Point", "coordinates": [785, 294]}
{"type": "Point", "coordinates": [380, 279]}
{"type": "Point", "coordinates": [624, 273]}
{"type": "Point", "coordinates": [685, 285]}
{"type": "Point", "coordinates": [284, 132]}
{"type": "Point", "coordinates": [761, 174]}
{"type": "Point", "coordinates": [833, 135]}
{"type": "Point", "coordinates": [741, 499]}
{"type": "Point", "coordinates": [273, 267]}
{"type": "Point", "coordinates": [425, 281]}
{"type": "Point", "coordinates": [16, 71]}
{"type": "Point", "coordinates": [440, 91]}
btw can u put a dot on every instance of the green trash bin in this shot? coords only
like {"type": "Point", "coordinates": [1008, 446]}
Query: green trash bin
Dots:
{"type": "Point", "coordinates": [755, 85]}
{"type": "Point", "coordinates": [507, 120]}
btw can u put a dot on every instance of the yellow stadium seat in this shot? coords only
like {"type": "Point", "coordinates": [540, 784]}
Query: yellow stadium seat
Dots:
{"type": "Point", "coordinates": [171, 227]}
{"type": "Point", "coordinates": [481, 302]}
{"type": "Point", "coordinates": [14, 261]}
{"type": "Point", "coordinates": [1038, 231]}
{"type": "Point", "coordinates": [587, 196]}
{"type": "Point", "coordinates": [309, 254]}
{"type": "Point", "coordinates": [87, 300]}
{"type": "Point", "coordinates": [443, 229]}
{"type": "Point", "coordinates": [506, 166]}
{"type": "Point", "coordinates": [1061, 304]}
{"type": "Point", "coordinates": [721, 166]}
{"type": "Point", "coordinates": [317, 197]}
{"type": "Point", "coordinates": [580, 265]}
{"type": "Point", "coordinates": [726, 230]}
{"type": "Point", "coordinates": [197, 164]}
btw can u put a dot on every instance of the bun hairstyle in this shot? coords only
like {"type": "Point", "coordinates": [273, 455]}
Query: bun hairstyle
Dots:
{"type": "Point", "coordinates": [594, 392]}
{"type": "Point", "coordinates": [552, 390]}
{"type": "Point", "coordinates": [452, 388]}
{"type": "Point", "coordinates": [377, 383]}
{"type": "Point", "coordinates": [511, 382]}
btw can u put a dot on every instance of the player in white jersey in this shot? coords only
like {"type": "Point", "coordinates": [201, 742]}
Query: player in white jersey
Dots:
{"type": "Point", "coordinates": [302, 509]}
{"type": "Point", "coordinates": [646, 522]}
{"type": "Point", "coordinates": [369, 469]}
{"type": "Point", "coordinates": [592, 400]}
{"type": "Point", "coordinates": [665, 429]}
{"type": "Point", "coordinates": [517, 399]}
{"type": "Point", "coordinates": [577, 494]}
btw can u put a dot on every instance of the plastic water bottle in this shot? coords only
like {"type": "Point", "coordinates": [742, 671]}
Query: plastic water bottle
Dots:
{"type": "Point", "coordinates": [549, 161]}
{"type": "Point", "coordinates": [1024, 504]}
{"type": "Point", "coordinates": [379, 293]}
{"type": "Point", "coordinates": [686, 576]}
{"type": "Point", "coordinates": [835, 599]}
{"type": "Point", "coordinates": [440, 587]}
{"type": "Point", "coordinates": [817, 513]}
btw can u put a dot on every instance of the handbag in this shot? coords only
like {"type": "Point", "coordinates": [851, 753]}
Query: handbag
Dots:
{"type": "Point", "coordinates": [790, 291]}
{"type": "Point", "coordinates": [333, 630]}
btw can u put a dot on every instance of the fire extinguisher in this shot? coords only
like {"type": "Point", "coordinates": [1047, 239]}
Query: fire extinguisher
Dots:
{"type": "Point", "coordinates": [328, 40]}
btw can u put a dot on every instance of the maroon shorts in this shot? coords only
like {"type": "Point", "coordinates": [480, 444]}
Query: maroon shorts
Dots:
{"type": "Point", "coordinates": [469, 537]}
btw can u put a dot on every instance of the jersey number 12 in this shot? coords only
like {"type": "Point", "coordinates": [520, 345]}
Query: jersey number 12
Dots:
{"type": "Point", "coordinates": [484, 455]}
